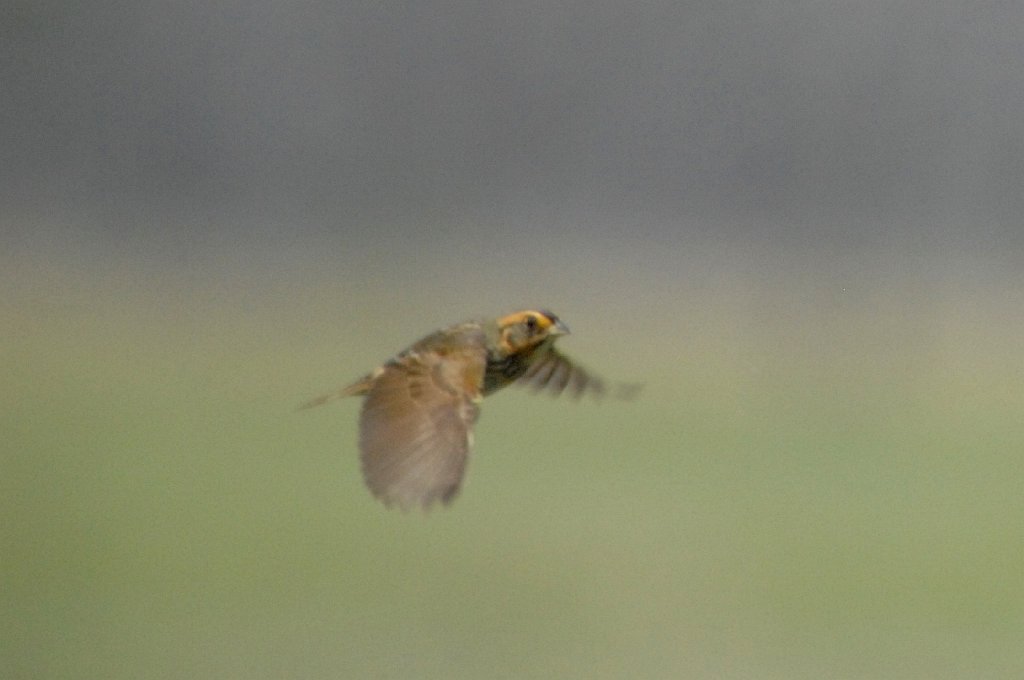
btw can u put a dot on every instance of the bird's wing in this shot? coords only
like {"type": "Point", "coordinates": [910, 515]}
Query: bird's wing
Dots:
{"type": "Point", "coordinates": [416, 426]}
{"type": "Point", "coordinates": [555, 372]}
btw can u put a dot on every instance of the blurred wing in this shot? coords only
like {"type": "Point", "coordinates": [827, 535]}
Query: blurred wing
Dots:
{"type": "Point", "coordinates": [415, 430]}
{"type": "Point", "coordinates": [555, 372]}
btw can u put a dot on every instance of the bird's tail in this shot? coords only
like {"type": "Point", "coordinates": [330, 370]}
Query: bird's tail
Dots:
{"type": "Point", "coordinates": [360, 387]}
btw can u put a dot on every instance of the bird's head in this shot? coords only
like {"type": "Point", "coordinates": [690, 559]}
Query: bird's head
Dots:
{"type": "Point", "coordinates": [528, 329]}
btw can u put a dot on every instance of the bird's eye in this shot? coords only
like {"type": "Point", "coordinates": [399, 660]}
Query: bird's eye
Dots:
{"type": "Point", "coordinates": [531, 323]}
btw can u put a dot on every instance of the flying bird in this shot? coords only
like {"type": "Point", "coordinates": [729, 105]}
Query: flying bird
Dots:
{"type": "Point", "coordinates": [416, 423]}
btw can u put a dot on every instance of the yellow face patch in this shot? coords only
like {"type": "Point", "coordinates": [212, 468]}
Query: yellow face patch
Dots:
{"type": "Point", "coordinates": [542, 319]}
{"type": "Point", "coordinates": [523, 330]}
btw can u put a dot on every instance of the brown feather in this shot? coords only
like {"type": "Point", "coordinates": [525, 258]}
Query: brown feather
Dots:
{"type": "Point", "coordinates": [416, 427]}
{"type": "Point", "coordinates": [358, 388]}
{"type": "Point", "coordinates": [553, 371]}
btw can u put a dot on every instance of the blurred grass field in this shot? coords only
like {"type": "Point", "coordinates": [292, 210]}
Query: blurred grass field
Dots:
{"type": "Point", "coordinates": [821, 479]}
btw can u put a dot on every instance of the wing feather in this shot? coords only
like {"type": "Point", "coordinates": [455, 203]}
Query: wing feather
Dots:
{"type": "Point", "coordinates": [416, 427]}
{"type": "Point", "coordinates": [555, 372]}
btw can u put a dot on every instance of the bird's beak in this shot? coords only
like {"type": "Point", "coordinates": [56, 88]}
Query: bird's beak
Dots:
{"type": "Point", "coordinates": [558, 328]}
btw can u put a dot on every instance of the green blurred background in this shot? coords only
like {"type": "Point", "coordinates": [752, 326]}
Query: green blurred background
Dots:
{"type": "Point", "coordinates": [799, 227]}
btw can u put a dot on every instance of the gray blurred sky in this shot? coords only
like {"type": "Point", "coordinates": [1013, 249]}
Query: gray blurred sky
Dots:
{"type": "Point", "coordinates": [855, 123]}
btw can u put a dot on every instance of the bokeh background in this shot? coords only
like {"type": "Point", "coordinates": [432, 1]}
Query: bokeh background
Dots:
{"type": "Point", "coordinates": [799, 224]}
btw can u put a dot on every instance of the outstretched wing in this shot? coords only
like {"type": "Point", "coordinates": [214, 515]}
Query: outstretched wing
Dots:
{"type": "Point", "coordinates": [555, 372]}
{"type": "Point", "coordinates": [416, 426]}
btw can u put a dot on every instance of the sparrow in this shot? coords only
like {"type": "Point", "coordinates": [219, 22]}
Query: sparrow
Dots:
{"type": "Point", "coordinates": [419, 408]}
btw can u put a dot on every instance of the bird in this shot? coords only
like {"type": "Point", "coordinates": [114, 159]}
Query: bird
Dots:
{"type": "Point", "coordinates": [419, 407]}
